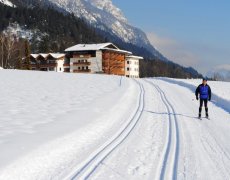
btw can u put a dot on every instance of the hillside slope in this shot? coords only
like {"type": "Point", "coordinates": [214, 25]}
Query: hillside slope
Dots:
{"type": "Point", "coordinates": [68, 126]}
{"type": "Point", "coordinates": [104, 16]}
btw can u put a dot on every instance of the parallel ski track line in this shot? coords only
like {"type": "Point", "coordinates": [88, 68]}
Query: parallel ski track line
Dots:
{"type": "Point", "coordinates": [91, 164]}
{"type": "Point", "coordinates": [210, 143]}
{"type": "Point", "coordinates": [214, 152]}
{"type": "Point", "coordinates": [169, 106]}
{"type": "Point", "coordinates": [217, 149]}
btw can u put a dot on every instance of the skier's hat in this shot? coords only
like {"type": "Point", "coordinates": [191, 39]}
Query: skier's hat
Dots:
{"type": "Point", "coordinates": [205, 79]}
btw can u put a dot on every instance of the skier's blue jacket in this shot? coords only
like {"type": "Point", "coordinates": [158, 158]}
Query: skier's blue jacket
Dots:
{"type": "Point", "coordinates": [204, 91]}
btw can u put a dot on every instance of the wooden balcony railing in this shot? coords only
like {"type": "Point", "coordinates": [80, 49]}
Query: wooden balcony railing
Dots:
{"type": "Point", "coordinates": [82, 71]}
{"type": "Point", "coordinates": [82, 63]}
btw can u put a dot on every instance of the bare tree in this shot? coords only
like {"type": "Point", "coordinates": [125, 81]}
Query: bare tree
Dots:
{"type": "Point", "coordinates": [2, 40]}
{"type": "Point", "coordinates": [8, 50]}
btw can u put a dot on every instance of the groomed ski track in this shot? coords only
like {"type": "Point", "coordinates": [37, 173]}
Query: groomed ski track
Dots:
{"type": "Point", "coordinates": [190, 148]}
{"type": "Point", "coordinates": [168, 165]}
{"type": "Point", "coordinates": [120, 129]}
{"type": "Point", "coordinates": [87, 168]}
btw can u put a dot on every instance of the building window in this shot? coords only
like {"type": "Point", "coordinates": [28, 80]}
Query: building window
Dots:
{"type": "Point", "coordinates": [83, 68]}
{"type": "Point", "coordinates": [87, 67]}
{"type": "Point", "coordinates": [127, 62]}
{"type": "Point", "coordinates": [127, 75]}
{"type": "Point", "coordinates": [127, 69]}
{"type": "Point", "coordinates": [60, 69]}
{"type": "Point", "coordinates": [79, 68]}
{"type": "Point", "coordinates": [79, 61]}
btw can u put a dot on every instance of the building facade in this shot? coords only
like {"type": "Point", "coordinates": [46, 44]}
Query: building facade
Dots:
{"type": "Point", "coordinates": [97, 58]}
{"type": "Point", "coordinates": [132, 66]}
{"type": "Point", "coordinates": [89, 58]}
{"type": "Point", "coordinates": [47, 62]}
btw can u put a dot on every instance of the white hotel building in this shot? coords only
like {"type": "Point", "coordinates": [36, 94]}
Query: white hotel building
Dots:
{"type": "Point", "coordinates": [105, 58]}
{"type": "Point", "coordinates": [132, 66]}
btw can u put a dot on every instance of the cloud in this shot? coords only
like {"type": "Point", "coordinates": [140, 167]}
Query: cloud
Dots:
{"type": "Point", "coordinates": [160, 41]}
{"type": "Point", "coordinates": [173, 50]}
{"type": "Point", "coordinates": [223, 66]}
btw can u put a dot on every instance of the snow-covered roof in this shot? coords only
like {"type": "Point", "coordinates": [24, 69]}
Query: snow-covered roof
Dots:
{"type": "Point", "coordinates": [90, 47]}
{"type": "Point", "coordinates": [56, 55]}
{"type": "Point", "coordinates": [135, 57]}
{"type": "Point", "coordinates": [117, 50]}
{"type": "Point", "coordinates": [34, 55]}
{"type": "Point", "coordinates": [45, 55]}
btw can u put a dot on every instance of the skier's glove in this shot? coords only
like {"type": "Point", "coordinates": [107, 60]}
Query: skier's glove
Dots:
{"type": "Point", "coordinates": [197, 98]}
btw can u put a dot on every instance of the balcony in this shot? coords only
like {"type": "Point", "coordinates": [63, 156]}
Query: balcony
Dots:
{"type": "Point", "coordinates": [82, 63]}
{"type": "Point", "coordinates": [47, 65]}
{"type": "Point", "coordinates": [66, 65]}
{"type": "Point", "coordinates": [82, 71]}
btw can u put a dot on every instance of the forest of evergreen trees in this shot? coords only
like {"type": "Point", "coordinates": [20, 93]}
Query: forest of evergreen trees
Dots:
{"type": "Point", "coordinates": [62, 30]}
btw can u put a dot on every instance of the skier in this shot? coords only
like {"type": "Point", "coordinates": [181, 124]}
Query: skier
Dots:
{"type": "Point", "coordinates": [205, 94]}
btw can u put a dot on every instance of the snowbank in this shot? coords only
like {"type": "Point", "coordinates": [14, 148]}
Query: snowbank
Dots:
{"type": "Point", "coordinates": [220, 90]}
{"type": "Point", "coordinates": [51, 120]}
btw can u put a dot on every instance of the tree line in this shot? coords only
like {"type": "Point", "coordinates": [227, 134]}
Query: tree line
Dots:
{"type": "Point", "coordinates": [14, 53]}
{"type": "Point", "coordinates": [158, 68]}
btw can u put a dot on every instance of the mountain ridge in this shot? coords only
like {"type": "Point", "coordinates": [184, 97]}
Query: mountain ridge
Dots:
{"type": "Point", "coordinates": [105, 17]}
{"type": "Point", "coordinates": [41, 17]}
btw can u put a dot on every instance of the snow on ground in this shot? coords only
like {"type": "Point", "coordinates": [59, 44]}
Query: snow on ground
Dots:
{"type": "Point", "coordinates": [170, 142]}
{"type": "Point", "coordinates": [51, 120]}
{"type": "Point", "coordinates": [76, 126]}
{"type": "Point", "coordinates": [220, 90]}
{"type": "Point", "coordinates": [8, 3]}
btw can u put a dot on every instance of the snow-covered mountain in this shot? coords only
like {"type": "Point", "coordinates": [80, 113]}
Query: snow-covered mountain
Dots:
{"type": "Point", "coordinates": [221, 73]}
{"type": "Point", "coordinates": [106, 18]}
{"type": "Point", "coordinates": [18, 31]}
{"type": "Point", "coordinates": [104, 15]}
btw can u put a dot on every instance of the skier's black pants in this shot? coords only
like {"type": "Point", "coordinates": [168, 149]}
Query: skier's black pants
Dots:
{"type": "Point", "coordinates": [205, 102]}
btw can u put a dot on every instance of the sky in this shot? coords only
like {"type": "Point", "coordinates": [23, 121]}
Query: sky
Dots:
{"type": "Point", "coordinates": [192, 33]}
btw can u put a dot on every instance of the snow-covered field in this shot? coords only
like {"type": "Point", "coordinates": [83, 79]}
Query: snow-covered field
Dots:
{"type": "Point", "coordinates": [220, 90]}
{"type": "Point", "coordinates": [76, 126]}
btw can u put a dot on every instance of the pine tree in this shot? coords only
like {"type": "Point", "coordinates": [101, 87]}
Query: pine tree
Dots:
{"type": "Point", "coordinates": [44, 45]}
{"type": "Point", "coordinates": [27, 56]}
